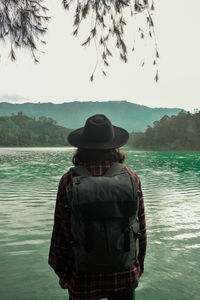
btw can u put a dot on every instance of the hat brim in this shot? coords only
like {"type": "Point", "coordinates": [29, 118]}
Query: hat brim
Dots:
{"type": "Point", "coordinates": [77, 139]}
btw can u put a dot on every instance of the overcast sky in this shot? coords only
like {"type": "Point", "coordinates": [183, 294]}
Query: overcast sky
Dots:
{"type": "Point", "coordinates": [64, 69]}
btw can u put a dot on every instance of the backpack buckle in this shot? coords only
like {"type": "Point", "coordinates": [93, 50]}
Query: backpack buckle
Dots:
{"type": "Point", "coordinates": [137, 235]}
{"type": "Point", "coordinates": [74, 243]}
{"type": "Point", "coordinates": [77, 180]}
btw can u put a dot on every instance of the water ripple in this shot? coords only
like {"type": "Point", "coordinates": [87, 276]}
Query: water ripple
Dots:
{"type": "Point", "coordinates": [171, 186]}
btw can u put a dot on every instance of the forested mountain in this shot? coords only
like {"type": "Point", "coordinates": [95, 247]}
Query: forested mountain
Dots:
{"type": "Point", "coordinates": [181, 132]}
{"type": "Point", "coordinates": [20, 130]}
{"type": "Point", "coordinates": [73, 114]}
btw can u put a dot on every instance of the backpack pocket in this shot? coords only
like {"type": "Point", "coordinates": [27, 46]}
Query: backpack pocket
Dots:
{"type": "Point", "coordinates": [110, 236]}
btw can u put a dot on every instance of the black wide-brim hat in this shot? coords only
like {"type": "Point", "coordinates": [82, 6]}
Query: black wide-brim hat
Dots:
{"type": "Point", "coordinates": [98, 133]}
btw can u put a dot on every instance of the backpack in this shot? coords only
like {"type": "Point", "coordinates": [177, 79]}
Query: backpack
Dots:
{"type": "Point", "coordinates": [104, 219]}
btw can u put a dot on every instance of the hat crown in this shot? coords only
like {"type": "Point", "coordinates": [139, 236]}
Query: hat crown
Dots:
{"type": "Point", "coordinates": [98, 133]}
{"type": "Point", "coordinates": [98, 128]}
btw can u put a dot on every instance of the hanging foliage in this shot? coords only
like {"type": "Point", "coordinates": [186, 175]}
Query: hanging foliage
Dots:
{"type": "Point", "coordinates": [108, 22]}
{"type": "Point", "coordinates": [22, 24]}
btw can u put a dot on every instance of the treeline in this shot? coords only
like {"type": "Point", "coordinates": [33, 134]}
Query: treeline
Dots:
{"type": "Point", "coordinates": [181, 132]}
{"type": "Point", "coordinates": [21, 130]}
{"type": "Point", "coordinates": [178, 132]}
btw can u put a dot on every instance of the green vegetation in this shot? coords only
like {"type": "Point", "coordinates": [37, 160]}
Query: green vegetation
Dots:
{"type": "Point", "coordinates": [178, 132]}
{"type": "Point", "coordinates": [23, 23]}
{"type": "Point", "coordinates": [20, 130]}
{"type": "Point", "coordinates": [181, 132]}
{"type": "Point", "coordinates": [73, 115]}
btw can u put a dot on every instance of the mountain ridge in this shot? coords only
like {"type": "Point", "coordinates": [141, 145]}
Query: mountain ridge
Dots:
{"type": "Point", "coordinates": [128, 115]}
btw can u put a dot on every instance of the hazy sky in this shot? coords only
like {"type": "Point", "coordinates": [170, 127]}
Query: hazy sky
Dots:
{"type": "Point", "coordinates": [65, 67]}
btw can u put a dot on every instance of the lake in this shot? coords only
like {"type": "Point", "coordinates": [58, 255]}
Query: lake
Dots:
{"type": "Point", "coordinates": [28, 184]}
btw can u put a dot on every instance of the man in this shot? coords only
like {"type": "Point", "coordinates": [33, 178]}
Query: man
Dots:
{"type": "Point", "coordinates": [98, 144]}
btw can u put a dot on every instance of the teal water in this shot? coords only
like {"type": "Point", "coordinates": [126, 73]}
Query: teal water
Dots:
{"type": "Point", "coordinates": [28, 185]}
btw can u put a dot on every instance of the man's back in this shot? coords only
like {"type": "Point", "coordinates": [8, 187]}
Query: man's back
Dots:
{"type": "Point", "coordinates": [61, 258]}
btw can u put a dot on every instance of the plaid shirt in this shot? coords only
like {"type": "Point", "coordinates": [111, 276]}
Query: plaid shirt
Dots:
{"type": "Point", "coordinates": [89, 286]}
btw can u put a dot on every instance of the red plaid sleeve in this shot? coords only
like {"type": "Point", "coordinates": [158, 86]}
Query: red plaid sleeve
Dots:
{"type": "Point", "coordinates": [60, 254]}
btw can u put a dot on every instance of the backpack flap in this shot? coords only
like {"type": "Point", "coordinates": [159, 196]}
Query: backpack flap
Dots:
{"type": "Point", "coordinates": [105, 197]}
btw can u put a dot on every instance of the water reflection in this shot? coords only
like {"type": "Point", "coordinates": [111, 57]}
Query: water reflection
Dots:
{"type": "Point", "coordinates": [171, 185]}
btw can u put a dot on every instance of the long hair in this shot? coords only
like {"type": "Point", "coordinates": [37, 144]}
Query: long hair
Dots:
{"type": "Point", "coordinates": [82, 156]}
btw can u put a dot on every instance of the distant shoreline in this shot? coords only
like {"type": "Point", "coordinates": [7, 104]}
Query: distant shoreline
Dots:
{"type": "Point", "coordinates": [37, 146]}
{"type": "Point", "coordinates": [123, 148]}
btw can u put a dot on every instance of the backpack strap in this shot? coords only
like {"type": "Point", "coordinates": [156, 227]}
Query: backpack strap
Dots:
{"type": "Point", "coordinates": [81, 171]}
{"type": "Point", "coordinates": [115, 168]}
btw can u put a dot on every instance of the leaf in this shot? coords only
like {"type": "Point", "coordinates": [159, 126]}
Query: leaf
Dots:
{"type": "Point", "coordinates": [137, 7]}
{"type": "Point", "coordinates": [91, 77]}
{"type": "Point", "coordinates": [121, 56]}
{"type": "Point", "coordinates": [85, 10]}
{"type": "Point", "coordinates": [123, 46]}
{"type": "Point", "coordinates": [12, 55]}
{"type": "Point", "coordinates": [17, 44]}
{"type": "Point", "coordinates": [93, 31]}
{"type": "Point", "coordinates": [151, 21]}
{"type": "Point", "coordinates": [106, 38]}
{"type": "Point", "coordinates": [108, 52]}
{"type": "Point", "coordinates": [104, 73]}
{"type": "Point", "coordinates": [156, 78]}
{"type": "Point", "coordinates": [65, 4]}
{"type": "Point", "coordinates": [123, 2]}
{"type": "Point", "coordinates": [75, 32]}
{"type": "Point", "coordinates": [157, 54]}
{"type": "Point", "coordinates": [104, 55]}
{"type": "Point", "coordinates": [86, 42]}
{"type": "Point", "coordinates": [77, 20]}
{"type": "Point", "coordinates": [122, 21]}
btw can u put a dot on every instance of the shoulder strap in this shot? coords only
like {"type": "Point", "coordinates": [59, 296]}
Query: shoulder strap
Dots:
{"type": "Point", "coordinates": [118, 167]}
{"type": "Point", "coordinates": [81, 171]}
{"type": "Point", "coordinates": [115, 168]}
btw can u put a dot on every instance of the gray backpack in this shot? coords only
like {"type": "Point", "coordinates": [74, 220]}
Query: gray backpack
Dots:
{"type": "Point", "coordinates": [104, 219]}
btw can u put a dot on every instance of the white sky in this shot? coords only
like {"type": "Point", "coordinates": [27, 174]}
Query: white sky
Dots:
{"type": "Point", "coordinates": [64, 69]}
